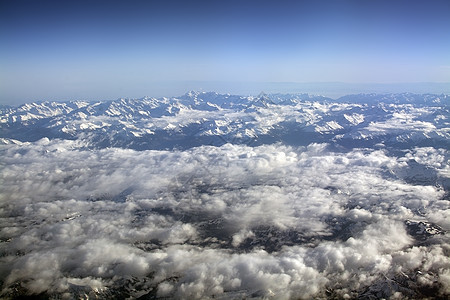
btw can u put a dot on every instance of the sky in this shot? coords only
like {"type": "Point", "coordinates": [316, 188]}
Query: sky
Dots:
{"type": "Point", "coordinates": [62, 50]}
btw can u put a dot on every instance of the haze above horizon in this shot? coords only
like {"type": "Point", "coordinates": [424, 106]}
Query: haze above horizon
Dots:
{"type": "Point", "coordinates": [61, 50]}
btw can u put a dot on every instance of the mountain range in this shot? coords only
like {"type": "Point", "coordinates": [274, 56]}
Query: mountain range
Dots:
{"type": "Point", "coordinates": [208, 118]}
{"type": "Point", "coordinates": [207, 195]}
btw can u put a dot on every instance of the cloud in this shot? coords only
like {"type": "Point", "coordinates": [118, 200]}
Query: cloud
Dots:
{"type": "Point", "coordinates": [233, 221]}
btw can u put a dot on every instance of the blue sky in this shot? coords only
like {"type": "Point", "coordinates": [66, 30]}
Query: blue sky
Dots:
{"type": "Point", "coordinates": [59, 50]}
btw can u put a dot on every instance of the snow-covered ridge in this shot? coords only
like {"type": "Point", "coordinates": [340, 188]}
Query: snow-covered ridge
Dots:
{"type": "Point", "coordinates": [198, 118]}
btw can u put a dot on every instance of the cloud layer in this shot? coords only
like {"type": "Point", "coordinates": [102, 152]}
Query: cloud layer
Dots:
{"type": "Point", "coordinates": [231, 221]}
